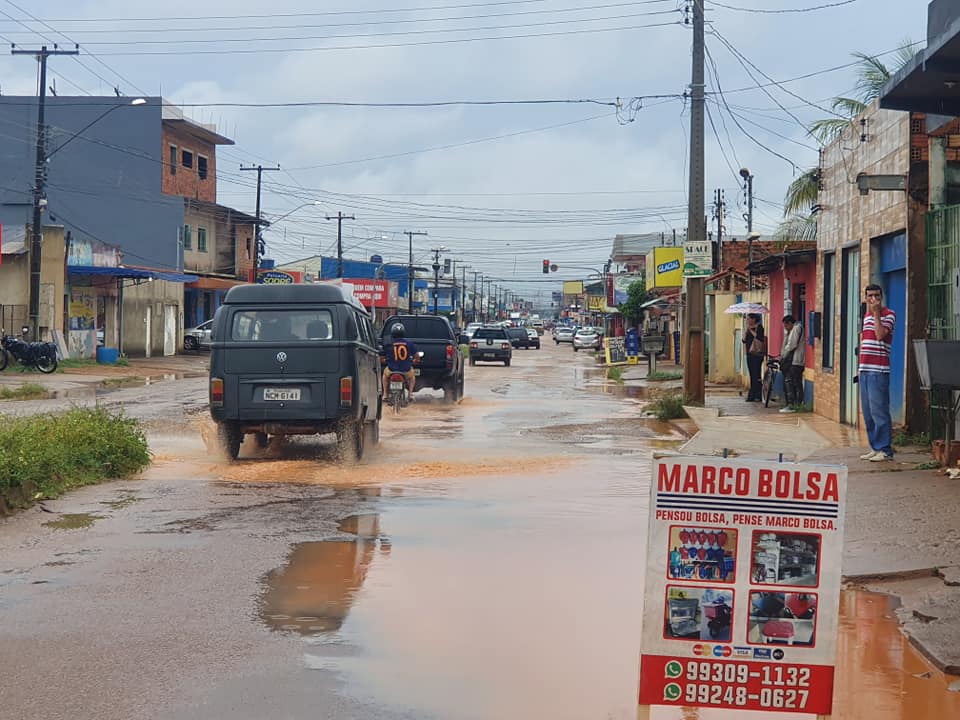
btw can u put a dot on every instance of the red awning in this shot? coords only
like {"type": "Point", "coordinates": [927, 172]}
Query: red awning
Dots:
{"type": "Point", "coordinates": [212, 283]}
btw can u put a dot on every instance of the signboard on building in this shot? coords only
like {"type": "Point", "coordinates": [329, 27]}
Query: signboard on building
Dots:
{"type": "Point", "coordinates": [742, 585]}
{"type": "Point", "coordinates": [697, 259]}
{"type": "Point", "coordinates": [665, 267]}
{"type": "Point", "coordinates": [596, 303]}
{"type": "Point", "coordinates": [370, 293]}
{"type": "Point", "coordinates": [279, 277]}
{"type": "Point", "coordinates": [573, 287]}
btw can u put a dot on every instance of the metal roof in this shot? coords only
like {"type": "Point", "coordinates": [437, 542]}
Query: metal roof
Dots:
{"type": "Point", "coordinates": [930, 83]}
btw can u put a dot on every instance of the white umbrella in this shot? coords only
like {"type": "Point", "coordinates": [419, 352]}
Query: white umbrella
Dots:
{"type": "Point", "coordinates": [746, 308]}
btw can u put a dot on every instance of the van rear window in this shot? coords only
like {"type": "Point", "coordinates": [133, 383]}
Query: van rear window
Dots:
{"type": "Point", "coordinates": [282, 325]}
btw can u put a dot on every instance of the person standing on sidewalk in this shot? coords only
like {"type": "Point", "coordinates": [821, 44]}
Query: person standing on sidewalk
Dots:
{"type": "Point", "coordinates": [874, 375]}
{"type": "Point", "coordinates": [756, 346]}
{"type": "Point", "coordinates": [792, 358]}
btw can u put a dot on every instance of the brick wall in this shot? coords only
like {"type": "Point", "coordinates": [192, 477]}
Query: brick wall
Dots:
{"type": "Point", "coordinates": [186, 181]}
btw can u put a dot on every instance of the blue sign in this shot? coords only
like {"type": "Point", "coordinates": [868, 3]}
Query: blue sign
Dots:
{"type": "Point", "coordinates": [668, 266]}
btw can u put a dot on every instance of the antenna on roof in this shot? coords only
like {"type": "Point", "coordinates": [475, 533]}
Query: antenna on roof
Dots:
{"type": "Point", "coordinates": [53, 88]}
{"type": "Point", "coordinates": [116, 91]}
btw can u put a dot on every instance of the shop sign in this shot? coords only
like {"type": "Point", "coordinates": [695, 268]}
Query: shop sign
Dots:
{"type": "Point", "coordinates": [697, 259]}
{"type": "Point", "coordinates": [596, 303]}
{"type": "Point", "coordinates": [279, 277]}
{"type": "Point", "coordinates": [742, 584]}
{"type": "Point", "coordinates": [573, 287]}
{"type": "Point", "coordinates": [373, 292]}
{"type": "Point", "coordinates": [615, 349]}
{"type": "Point", "coordinates": [665, 267]}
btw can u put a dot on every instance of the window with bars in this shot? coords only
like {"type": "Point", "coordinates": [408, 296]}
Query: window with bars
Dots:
{"type": "Point", "coordinates": [186, 159]}
{"type": "Point", "coordinates": [202, 167]}
{"type": "Point", "coordinates": [201, 239]}
{"type": "Point", "coordinates": [187, 238]}
{"type": "Point", "coordinates": [173, 159]}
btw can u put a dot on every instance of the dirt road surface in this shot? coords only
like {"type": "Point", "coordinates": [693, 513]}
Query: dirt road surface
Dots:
{"type": "Point", "coordinates": [484, 562]}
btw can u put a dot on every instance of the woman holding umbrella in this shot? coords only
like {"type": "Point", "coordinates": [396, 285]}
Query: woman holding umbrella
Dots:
{"type": "Point", "coordinates": [755, 342]}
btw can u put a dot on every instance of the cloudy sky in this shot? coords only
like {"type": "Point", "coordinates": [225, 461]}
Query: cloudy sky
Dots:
{"type": "Point", "coordinates": [501, 185]}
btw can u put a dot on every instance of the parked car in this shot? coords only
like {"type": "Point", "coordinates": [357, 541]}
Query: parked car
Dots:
{"type": "Point", "coordinates": [586, 338]}
{"type": "Point", "coordinates": [518, 337]}
{"type": "Point", "coordinates": [491, 344]}
{"type": "Point", "coordinates": [198, 338]}
{"type": "Point", "coordinates": [294, 360]}
{"type": "Point", "coordinates": [441, 367]}
{"type": "Point", "coordinates": [563, 334]}
{"type": "Point", "coordinates": [534, 337]}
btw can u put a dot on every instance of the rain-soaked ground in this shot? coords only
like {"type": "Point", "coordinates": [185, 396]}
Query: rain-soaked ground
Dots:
{"type": "Point", "coordinates": [485, 562]}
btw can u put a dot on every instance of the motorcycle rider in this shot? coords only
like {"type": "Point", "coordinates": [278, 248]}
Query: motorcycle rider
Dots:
{"type": "Point", "coordinates": [400, 354]}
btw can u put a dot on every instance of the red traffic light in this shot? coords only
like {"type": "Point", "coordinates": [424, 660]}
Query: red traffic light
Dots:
{"type": "Point", "coordinates": [546, 267]}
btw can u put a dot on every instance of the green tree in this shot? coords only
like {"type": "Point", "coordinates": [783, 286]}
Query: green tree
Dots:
{"type": "Point", "coordinates": [637, 295]}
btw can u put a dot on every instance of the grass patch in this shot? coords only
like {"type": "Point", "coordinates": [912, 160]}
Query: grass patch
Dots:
{"type": "Point", "coordinates": [615, 373]}
{"type": "Point", "coordinates": [902, 438]}
{"type": "Point", "coordinates": [119, 382]}
{"type": "Point", "coordinates": [668, 406]}
{"type": "Point", "coordinates": [802, 408]}
{"type": "Point", "coordinates": [123, 361]}
{"type": "Point", "coordinates": [664, 375]}
{"type": "Point", "coordinates": [24, 391]}
{"type": "Point", "coordinates": [73, 364]}
{"type": "Point", "coordinates": [929, 465]}
{"type": "Point", "coordinates": [43, 456]}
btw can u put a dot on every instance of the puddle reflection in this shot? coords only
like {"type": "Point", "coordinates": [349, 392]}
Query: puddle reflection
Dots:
{"type": "Point", "coordinates": [313, 593]}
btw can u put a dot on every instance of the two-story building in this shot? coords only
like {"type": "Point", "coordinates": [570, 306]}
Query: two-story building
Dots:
{"type": "Point", "coordinates": [130, 182]}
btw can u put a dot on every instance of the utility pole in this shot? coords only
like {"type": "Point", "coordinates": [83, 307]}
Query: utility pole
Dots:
{"type": "Point", "coordinates": [436, 277]}
{"type": "Point", "coordinates": [258, 246]}
{"type": "Point", "coordinates": [719, 206]}
{"type": "Point", "coordinates": [463, 295]}
{"type": "Point", "coordinates": [748, 216]}
{"type": "Point", "coordinates": [340, 217]}
{"type": "Point", "coordinates": [473, 306]}
{"type": "Point", "coordinates": [410, 234]}
{"type": "Point", "coordinates": [39, 183]}
{"type": "Point", "coordinates": [695, 315]}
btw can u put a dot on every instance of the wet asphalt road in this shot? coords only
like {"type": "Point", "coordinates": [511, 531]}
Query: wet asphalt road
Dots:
{"type": "Point", "coordinates": [484, 562]}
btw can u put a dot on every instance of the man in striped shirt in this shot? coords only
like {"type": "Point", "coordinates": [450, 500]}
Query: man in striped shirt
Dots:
{"type": "Point", "coordinates": [874, 375]}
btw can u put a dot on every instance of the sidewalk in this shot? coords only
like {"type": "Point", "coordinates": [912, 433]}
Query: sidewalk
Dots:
{"type": "Point", "coordinates": [902, 526]}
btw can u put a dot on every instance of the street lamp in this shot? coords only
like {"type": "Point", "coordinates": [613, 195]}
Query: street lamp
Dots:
{"type": "Point", "coordinates": [298, 207]}
{"type": "Point", "coordinates": [436, 275]}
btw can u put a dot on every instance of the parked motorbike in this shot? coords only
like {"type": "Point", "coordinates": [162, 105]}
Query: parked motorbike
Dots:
{"type": "Point", "coordinates": [39, 355]}
{"type": "Point", "coordinates": [399, 393]}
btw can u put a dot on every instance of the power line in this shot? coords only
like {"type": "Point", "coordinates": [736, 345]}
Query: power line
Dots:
{"type": "Point", "coordinates": [421, 43]}
{"type": "Point", "coordinates": [782, 11]}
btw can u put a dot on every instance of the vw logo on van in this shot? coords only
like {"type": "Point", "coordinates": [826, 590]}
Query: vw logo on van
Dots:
{"type": "Point", "coordinates": [281, 357]}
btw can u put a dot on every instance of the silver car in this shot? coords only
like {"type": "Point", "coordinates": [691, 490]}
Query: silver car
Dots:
{"type": "Point", "coordinates": [586, 338]}
{"type": "Point", "coordinates": [198, 338]}
{"type": "Point", "coordinates": [563, 334]}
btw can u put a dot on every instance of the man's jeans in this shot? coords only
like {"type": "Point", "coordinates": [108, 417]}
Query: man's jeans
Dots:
{"type": "Point", "coordinates": [875, 404]}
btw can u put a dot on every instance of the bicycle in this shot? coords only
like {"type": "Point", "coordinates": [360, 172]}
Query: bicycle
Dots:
{"type": "Point", "coordinates": [769, 378]}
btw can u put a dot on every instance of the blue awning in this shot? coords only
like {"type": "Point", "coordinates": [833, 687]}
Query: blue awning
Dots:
{"type": "Point", "coordinates": [129, 272]}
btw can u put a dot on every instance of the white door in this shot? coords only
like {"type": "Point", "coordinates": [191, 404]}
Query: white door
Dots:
{"type": "Point", "coordinates": [169, 330]}
{"type": "Point", "coordinates": [147, 346]}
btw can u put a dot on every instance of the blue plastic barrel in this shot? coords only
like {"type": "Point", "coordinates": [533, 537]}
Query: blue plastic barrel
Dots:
{"type": "Point", "coordinates": [107, 356]}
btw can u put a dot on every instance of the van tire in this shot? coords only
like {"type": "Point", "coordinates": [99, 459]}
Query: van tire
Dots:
{"type": "Point", "coordinates": [351, 440]}
{"type": "Point", "coordinates": [372, 429]}
{"type": "Point", "coordinates": [473, 362]}
{"type": "Point", "coordinates": [263, 440]}
{"type": "Point", "coordinates": [450, 392]}
{"type": "Point", "coordinates": [229, 438]}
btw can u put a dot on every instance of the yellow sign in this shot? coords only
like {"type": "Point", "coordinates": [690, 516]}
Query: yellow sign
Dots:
{"type": "Point", "coordinates": [665, 267]}
{"type": "Point", "coordinates": [573, 287]}
{"type": "Point", "coordinates": [596, 303]}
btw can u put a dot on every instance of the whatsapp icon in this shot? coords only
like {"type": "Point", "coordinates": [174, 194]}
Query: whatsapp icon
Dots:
{"type": "Point", "coordinates": [671, 692]}
{"type": "Point", "coordinates": [673, 669]}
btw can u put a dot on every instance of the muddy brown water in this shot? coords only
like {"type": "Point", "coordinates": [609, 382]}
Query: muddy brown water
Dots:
{"type": "Point", "coordinates": [487, 565]}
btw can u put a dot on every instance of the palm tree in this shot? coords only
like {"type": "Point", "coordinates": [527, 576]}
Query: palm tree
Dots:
{"type": "Point", "coordinates": [801, 196]}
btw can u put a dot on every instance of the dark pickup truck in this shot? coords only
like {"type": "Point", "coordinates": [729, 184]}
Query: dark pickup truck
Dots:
{"type": "Point", "coordinates": [441, 367]}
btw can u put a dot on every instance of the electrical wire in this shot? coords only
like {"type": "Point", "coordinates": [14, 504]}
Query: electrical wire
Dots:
{"type": "Point", "coordinates": [782, 11]}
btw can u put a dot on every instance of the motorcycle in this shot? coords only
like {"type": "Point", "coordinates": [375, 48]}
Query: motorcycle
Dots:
{"type": "Point", "coordinates": [399, 393]}
{"type": "Point", "coordinates": [39, 355]}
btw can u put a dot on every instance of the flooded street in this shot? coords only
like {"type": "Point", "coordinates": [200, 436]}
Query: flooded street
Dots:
{"type": "Point", "coordinates": [484, 562]}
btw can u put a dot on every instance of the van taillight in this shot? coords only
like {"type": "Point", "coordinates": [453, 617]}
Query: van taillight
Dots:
{"type": "Point", "coordinates": [216, 392]}
{"type": "Point", "coordinates": [449, 351]}
{"type": "Point", "coordinates": [473, 345]}
{"type": "Point", "coordinates": [346, 392]}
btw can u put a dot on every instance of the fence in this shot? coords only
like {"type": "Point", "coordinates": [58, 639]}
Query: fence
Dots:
{"type": "Point", "coordinates": [13, 317]}
{"type": "Point", "coordinates": [943, 273]}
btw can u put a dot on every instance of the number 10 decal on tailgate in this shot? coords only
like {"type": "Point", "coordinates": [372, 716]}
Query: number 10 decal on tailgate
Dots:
{"type": "Point", "coordinates": [742, 584]}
